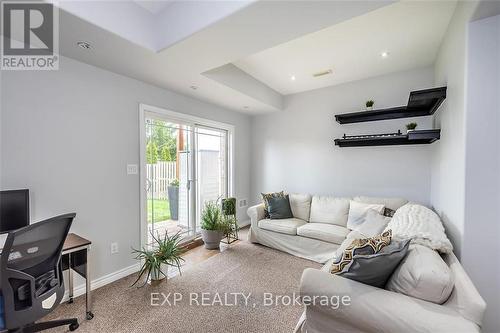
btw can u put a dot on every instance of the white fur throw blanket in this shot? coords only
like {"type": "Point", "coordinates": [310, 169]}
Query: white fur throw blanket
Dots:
{"type": "Point", "coordinates": [422, 225]}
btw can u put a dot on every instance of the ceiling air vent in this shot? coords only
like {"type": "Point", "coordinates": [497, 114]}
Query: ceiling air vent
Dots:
{"type": "Point", "coordinates": [326, 72]}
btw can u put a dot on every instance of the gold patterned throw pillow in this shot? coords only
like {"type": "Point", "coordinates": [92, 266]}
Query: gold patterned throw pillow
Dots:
{"type": "Point", "coordinates": [267, 196]}
{"type": "Point", "coordinates": [365, 246]}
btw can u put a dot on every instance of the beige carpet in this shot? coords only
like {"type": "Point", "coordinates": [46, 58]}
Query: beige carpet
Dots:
{"type": "Point", "coordinates": [243, 268]}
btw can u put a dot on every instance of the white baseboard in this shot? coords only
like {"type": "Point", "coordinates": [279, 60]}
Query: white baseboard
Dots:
{"type": "Point", "coordinates": [112, 277]}
{"type": "Point", "coordinates": [243, 223]}
{"type": "Point", "coordinates": [102, 281]}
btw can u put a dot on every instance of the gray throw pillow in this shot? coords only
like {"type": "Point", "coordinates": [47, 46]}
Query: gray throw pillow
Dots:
{"type": "Point", "coordinates": [376, 269]}
{"type": "Point", "coordinates": [279, 208]}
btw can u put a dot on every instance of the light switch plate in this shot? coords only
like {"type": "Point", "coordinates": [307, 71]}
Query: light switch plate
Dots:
{"type": "Point", "coordinates": [132, 169]}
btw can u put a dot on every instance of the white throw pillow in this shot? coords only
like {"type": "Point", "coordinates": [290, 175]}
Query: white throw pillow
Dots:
{"type": "Point", "coordinates": [423, 274]}
{"type": "Point", "coordinates": [374, 224]}
{"type": "Point", "coordinates": [357, 213]}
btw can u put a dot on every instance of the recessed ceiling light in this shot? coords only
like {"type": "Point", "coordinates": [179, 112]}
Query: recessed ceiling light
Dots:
{"type": "Point", "coordinates": [194, 87]}
{"type": "Point", "coordinates": [84, 45]}
{"type": "Point", "coordinates": [292, 77]}
{"type": "Point", "coordinates": [384, 54]}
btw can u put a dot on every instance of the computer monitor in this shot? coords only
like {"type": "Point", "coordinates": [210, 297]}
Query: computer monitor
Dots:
{"type": "Point", "coordinates": [14, 210]}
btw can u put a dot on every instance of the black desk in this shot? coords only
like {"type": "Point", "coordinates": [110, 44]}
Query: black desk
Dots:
{"type": "Point", "coordinates": [75, 258]}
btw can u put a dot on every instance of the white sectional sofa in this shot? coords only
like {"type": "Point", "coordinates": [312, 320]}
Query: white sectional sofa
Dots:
{"type": "Point", "coordinates": [374, 309]}
{"type": "Point", "coordinates": [427, 293]}
{"type": "Point", "coordinates": [318, 226]}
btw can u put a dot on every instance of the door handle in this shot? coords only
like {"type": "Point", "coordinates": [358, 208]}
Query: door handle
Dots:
{"type": "Point", "coordinates": [189, 182]}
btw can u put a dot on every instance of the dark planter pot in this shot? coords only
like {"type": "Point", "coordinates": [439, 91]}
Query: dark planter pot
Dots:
{"type": "Point", "coordinates": [211, 238]}
{"type": "Point", "coordinates": [173, 200]}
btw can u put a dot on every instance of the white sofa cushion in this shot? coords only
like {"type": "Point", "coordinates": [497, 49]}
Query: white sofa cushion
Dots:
{"type": "Point", "coordinates": [358, 211]}
{"type": "Point", "coordinates": [423, 274]}
{"type": "Point", "coordinates": [301, 205]}
{"type": "Point", "coordinates": [326, 232]}
{"type": "Point", "coordinates": [284, 226]}
{"type": "Point", "coordinates": [391, 203]}
{"type": "Point", "coordinates": [332, 210]}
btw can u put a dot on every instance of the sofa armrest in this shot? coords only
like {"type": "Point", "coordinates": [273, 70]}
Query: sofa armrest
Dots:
{"type": "Point", "coordinates": [372, 309]}
{"type": "Point", "coordinates": [256, 213]}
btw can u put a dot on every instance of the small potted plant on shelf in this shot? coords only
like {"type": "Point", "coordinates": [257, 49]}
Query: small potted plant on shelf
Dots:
{"type": "Point", "coordinates": [173, 199]}
{"type": "Point", "coordinates": [369, 105]}
{"type": "Point", "coordinates": [411, 127]}
{"type": "Point", "coordinates": [213, 226]}
{"type": "Point", "coordinates": [166, 252]}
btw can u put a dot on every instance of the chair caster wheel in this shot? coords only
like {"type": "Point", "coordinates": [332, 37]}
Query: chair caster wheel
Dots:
{"type": "Point", "coordinates": [90, 315]}
{"type": "Point", "coordinates": [73, 327]}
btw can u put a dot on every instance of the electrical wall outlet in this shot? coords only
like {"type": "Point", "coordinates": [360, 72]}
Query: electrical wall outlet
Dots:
{"type": "Point", "coordinates": [132, 169]}
{"type": "Point", "coordinates": [242, 203]}
{"type": "Point", "coordinates": [114, 248]}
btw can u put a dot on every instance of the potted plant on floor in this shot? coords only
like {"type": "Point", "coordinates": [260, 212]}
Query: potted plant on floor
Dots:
{"type": "Point", "coordinates": [166, 252]}
{"type": "Point", "coordinates": [212, 225]}
{"type": "Point", "coordinates": [173, 199]}
{"type": "Point", "coordinates": [369, 105]}
{"type": "Point", "coordinates": [411, 127]}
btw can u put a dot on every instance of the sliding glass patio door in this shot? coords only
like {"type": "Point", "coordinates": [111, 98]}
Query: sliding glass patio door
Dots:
{"type": "Point", "coordinates": [168, 177]}
{"type": "Point", "coordinates": [186, 165]}
{"type": "Point", "coordinates": [211, 166]}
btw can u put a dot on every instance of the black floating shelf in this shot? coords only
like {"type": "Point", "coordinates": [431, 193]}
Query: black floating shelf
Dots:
{"type": "Point", "coordinates": [420, 103]}
{"type": "Point", "coordinates": [415, 137]}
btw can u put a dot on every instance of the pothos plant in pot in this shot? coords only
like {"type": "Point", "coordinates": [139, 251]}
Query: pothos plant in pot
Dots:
{"type": "Point", "coordinates": [166, 252]}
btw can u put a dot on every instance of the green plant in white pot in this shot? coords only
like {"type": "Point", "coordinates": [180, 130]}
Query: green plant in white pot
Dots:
{"type": "Point", "coordinates": [410, 127]}
{"type": "Point", "coordinates": [166, 252]}
{"type": "Point", "coordinates": [369, 105]}
{"type": "Point", "coordinates": [212, 227]}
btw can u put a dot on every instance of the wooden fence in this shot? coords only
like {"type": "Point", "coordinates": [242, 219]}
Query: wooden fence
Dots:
{"type": "Point", "coordinates": [159, 175]}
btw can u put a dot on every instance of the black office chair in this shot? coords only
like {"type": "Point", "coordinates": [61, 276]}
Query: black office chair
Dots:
{"type": "Point", "coordinates": [31, 275]}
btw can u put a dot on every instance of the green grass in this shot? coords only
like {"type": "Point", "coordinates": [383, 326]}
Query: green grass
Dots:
{"type": "Point", "coordinates": [160, 209]}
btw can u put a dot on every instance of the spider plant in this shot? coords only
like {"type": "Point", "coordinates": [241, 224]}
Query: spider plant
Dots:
{"type": "Point", "coordinates": [166, 251]}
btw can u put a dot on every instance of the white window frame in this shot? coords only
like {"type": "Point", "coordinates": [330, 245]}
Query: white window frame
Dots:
{"type": "Point", "coordinates": [181, 118]}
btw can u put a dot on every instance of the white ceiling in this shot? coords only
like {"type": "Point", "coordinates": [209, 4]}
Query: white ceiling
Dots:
{"type": "Point", "coordinates": [411, 32]}
{"type": "Point", "coordinates": [270, 40]}
{"type": "Point", "coordinates": [246, 31]}
{"type": "Point", "coordinates": [154, 6]}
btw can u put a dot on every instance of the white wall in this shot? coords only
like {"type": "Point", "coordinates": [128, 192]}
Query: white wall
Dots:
{"type": "Point", "coordinates": [294, 150]}
{"type": "Point", "coordinates": [482, 166]}
{"type": "Point", "coordinates": [448, 163]}
{"type": "Point", "coordinates": [68, 135]}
